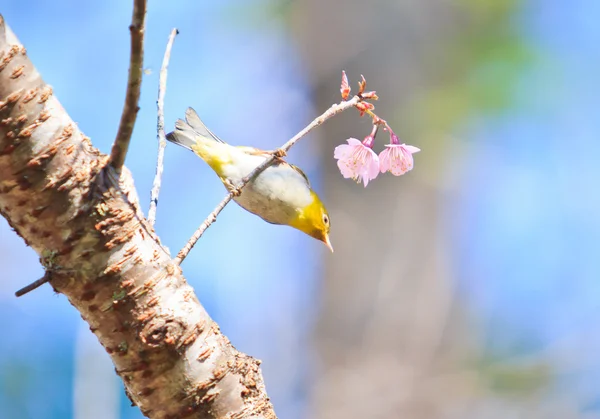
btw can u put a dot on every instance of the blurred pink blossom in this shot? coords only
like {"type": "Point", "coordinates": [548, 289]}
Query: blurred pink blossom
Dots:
{"type": "Point", "coordinates": [357, 160]}
{"type": "Point", "coordinates": [397, 158]}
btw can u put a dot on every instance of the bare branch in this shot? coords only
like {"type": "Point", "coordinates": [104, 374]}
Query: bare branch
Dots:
{"type": "Point", "coordinates": [212, 217]}
{"type": "Point", "coordinates": [34, 285]}
{"type": "Point", "coordinates": [334, 110]}
{"type": "Point", "coordinates": [160, 127]}
{"type": "Point", "coordinates": [134, 86]}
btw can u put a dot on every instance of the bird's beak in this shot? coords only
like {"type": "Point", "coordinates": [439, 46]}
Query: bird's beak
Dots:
{"type": "Point", "coordinates": [328, 242]}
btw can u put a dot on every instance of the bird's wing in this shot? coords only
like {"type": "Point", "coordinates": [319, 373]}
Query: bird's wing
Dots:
{"type": "Point", "coordinates": [258, 152]}
{"type": "Point", "coordinates": [198, 126]}
{"type": "Point", "coordinates": [297, 169]}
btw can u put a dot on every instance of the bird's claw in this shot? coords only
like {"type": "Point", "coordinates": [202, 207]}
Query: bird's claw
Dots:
{"type": "Point", "coordinates": [279, 154]}
{"type": "Point", "coordinates": [234, 190]}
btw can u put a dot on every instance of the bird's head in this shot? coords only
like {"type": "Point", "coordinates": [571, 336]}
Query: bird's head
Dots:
{"type": "Point", "coordinates": [314, 221]}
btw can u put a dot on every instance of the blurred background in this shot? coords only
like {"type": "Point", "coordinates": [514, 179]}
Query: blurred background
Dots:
{"type": "Point", "coordinates": [468, 288]}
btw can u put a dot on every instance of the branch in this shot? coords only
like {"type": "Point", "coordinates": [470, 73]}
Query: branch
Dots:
{"type": "Point", "coordinates": [134, 85]}
{"type": "Point", "coordinates": [34, 285]}
{"type": "Point", "coordinates": [160, 127]}
{"type": "Point", "coordinates": [83, 218]}
{"type": "Point", "coordinates": [334, 110]}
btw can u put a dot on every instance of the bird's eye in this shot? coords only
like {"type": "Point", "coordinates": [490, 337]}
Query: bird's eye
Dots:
{"type": "Point", "coordinates": [325, 219]}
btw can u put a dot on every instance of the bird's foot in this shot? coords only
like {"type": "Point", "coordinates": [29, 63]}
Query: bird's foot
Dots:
{"type": "Point", "coordinates": [279, 154]}
{"type": "Point", "coordinates": [234, 189]}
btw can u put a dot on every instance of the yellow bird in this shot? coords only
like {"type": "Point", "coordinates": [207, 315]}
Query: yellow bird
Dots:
{"type": "Point", "coordinates": [279, 195]}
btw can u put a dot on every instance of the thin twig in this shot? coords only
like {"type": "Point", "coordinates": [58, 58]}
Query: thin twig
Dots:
{"type": "Point", "coordinates": [34, 285]}
{"type": "Point", "coordinates": [212, 217]}
{"type": "Point", "coordinates": [134, 84]}
{"type": "Point", "coordinates": [160, 128]}
{"type": "Point", "coordinates": [282, 151]}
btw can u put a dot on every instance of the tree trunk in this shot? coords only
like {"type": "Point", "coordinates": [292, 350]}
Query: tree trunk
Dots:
{"type": "Point", "coordinates": [84, 221]}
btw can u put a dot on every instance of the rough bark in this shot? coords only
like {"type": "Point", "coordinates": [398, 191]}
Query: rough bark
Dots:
{"type": "Point", "coordinates": [84, 220]}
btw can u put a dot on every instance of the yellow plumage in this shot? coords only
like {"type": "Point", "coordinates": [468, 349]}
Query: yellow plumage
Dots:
{"type": "Point", "coordinates": [279, 195]}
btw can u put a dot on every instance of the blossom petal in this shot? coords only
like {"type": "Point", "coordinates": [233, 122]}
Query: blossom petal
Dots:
{"type": "Point", "coordinates": [354, 142]}
{"type": "Point", "coordinates": [371, 169]}
{"type": "Point", "coordinates": [345, 169]}
{"type": "Point", "coordinates": [397, 158]}
{"type": "Point", "coordinates": [384, 160]}
{"type": "Point", "coordinates": [411, 148]}
{"type": "Point", "coordinates": [343, 150]}
{"type": "Point", "coordinates": [357, 161]}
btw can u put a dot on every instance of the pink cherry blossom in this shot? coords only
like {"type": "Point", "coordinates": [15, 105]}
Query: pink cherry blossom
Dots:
{"type": "Point", "coordinates": [397, 158]}
{"type": "Point", "coordinates": [357, 160]}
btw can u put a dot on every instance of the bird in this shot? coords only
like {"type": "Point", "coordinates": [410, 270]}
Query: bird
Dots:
{"type": "Point", "coordinates": [280, 195]}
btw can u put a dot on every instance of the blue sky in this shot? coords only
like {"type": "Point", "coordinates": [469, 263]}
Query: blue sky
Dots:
{"type": "Point", "coordinates": [529, 226]}
{"type": "Point", "coordinates": [526, 227]}
{"type": "Point", "coordinates": [82, 51]}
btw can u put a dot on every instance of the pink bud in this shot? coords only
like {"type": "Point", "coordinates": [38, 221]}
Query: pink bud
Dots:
{"type": "Point", "coordinates": [345, 87]}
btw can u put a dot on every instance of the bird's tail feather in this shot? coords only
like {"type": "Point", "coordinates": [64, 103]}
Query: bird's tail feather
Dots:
{"type": "Point", "coordinates": [183, 135]}
{"type": "Point", "coordinates": [187, 132]}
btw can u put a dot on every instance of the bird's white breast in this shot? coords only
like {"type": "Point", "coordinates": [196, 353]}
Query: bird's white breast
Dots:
{"type": "Point", "coordinates": [275, 195]}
